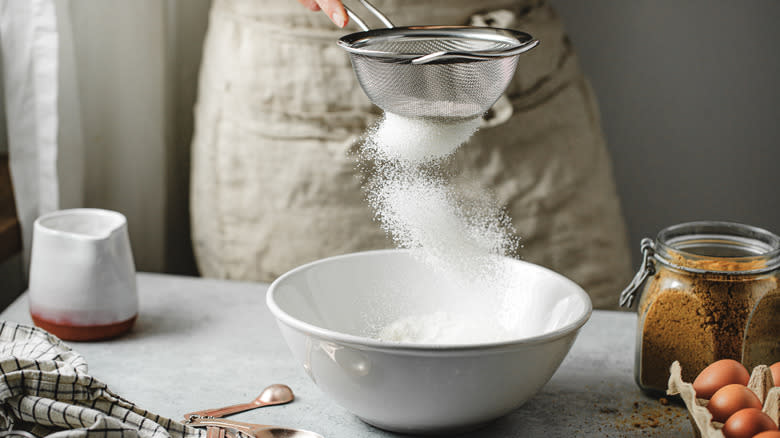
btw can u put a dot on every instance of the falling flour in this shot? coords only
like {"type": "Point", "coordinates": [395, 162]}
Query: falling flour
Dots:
{"type": "Point", "coordinates": [457, 232]}
{"type": "Point", "coordinates": [451, 233]}
{"type": "Point", "coordinates": [419, 140]}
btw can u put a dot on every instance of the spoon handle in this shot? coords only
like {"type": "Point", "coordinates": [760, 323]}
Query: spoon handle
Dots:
{"type": "Point", "coordinates": [231, 428]}
{"type": "Point", "coordinates": [227, 410]}
{"type": "Point", "coordinates": [221, 422]}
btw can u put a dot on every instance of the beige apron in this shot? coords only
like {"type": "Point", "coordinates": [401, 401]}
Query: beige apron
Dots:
{"type": "Point", "coordinates": [279, 111]}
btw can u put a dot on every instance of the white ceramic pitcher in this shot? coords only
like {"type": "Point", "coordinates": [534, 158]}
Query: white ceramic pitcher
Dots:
{"type": "Point", "coordinates": [82, 274]}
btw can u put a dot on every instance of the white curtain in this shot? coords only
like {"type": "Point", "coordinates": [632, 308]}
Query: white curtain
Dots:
{"type": "Point", "coordinates": [29, 44]}
{"type": "Point", "coordinates": [119, 79]}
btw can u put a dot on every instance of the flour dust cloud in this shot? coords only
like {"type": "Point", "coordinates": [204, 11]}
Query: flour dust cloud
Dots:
{"type": "Point", "coordinates": [458, 232]}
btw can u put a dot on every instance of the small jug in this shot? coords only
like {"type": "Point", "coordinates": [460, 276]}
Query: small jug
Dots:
{"type": "Point", "coordinates": [82, 275]}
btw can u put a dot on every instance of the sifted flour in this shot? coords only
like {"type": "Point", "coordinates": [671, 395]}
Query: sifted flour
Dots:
{"type": "Point", "coordinates": [455, 231]}
{"type": "Point", "coordinates": [449, 232]}
{"type": "Point", "coordinates": [419, 140]}
{"type": "Point", "coordinates": [443, 328]}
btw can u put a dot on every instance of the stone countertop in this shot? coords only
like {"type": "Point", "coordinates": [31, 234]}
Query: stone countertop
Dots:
{"type": "Point", "coordinates": [201, 343]}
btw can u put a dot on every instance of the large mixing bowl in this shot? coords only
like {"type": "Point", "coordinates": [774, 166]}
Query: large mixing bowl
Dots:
{"type": "Point", "coordinates": [327, 310]}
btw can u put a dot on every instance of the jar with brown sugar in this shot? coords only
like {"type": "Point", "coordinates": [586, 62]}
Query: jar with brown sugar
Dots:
{"type": "Point", "coordinates": [708, 291]}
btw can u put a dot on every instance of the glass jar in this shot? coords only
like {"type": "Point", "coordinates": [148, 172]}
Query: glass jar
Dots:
{"type": "Point", "coordinates": [709, 291]}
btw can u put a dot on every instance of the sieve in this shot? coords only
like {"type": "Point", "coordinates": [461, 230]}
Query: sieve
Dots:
{"type": "Point", "coordinates": [441, 72]}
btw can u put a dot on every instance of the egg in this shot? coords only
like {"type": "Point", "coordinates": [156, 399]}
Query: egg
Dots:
{"type": "Point", "coordinates": [768, 434]}
{"type": "Point", "coordinates": [719, 374]}
{"type": "Point", "coordinates": [775, 367]}
{"type": "Point", "coordinates": [747, 423]}
{"type": "Point", "coordinates": [730, 399]}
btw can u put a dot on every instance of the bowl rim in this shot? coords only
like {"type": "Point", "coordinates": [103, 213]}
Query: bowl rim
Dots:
{"type": "Point", "coordinates": [375, 344]}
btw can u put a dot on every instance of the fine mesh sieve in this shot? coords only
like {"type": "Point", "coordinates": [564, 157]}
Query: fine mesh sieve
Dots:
{"type": "Point", "coordinates": [452, 72]}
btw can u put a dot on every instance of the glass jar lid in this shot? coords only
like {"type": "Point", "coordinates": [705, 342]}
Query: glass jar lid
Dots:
{"type": "Point", "coordinates": [707, 247]}
{"type": "Point", "coordinates": [718, 247]}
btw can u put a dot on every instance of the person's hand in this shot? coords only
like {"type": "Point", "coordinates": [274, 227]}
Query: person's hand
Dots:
{"type": "Point", "coordinates": [333, 8]}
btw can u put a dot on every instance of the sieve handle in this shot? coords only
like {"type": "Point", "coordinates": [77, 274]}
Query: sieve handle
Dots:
{"type": "Point", "coordinates": [438, 56]}
{"type": "Point", "coordinates": [354, 17]}
{"type": "Point", "coordinates": [371, 8]}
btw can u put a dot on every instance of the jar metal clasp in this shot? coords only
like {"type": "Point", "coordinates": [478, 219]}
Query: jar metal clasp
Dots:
{"type": "Point", "coordinates": [647, 269]}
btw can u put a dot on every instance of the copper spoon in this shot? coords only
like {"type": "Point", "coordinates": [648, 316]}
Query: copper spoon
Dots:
{"type": "Point", "coordinates": [273, 395]}
{"type": "Point", "coordinates": [255, 430]}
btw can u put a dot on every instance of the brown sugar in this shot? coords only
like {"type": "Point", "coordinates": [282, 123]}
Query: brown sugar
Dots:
{"type": "Point", "coordinates": [717, 265]}
{"type": "Point", "coordinates": [698, 318]}
{"type": "Point", "coordinates": [647, 416]}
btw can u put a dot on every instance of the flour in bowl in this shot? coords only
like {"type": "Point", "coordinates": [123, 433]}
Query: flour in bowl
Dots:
{"type": "Point", "coordinates": [443, 328]}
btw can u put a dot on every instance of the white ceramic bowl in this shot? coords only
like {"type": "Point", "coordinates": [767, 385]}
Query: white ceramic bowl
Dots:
{"type": "Point", "coordinates": [327, 309]}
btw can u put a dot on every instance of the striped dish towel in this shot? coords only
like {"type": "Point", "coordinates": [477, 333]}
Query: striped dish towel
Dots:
{"type": "Point", "coordinates": [45, 390]}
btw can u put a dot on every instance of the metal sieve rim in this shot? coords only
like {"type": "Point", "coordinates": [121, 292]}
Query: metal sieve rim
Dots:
{"type": "Point", "coordinates": [359, 43]}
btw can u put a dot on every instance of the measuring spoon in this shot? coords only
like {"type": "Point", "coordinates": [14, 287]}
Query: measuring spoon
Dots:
{"type": "Point", "coordinates": [256, 430]}
{"type": "Point", "coordinates": [273, 395]}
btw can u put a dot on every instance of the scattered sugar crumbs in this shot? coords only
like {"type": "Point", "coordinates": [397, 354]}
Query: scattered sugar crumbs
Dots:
{"type": "Point", "coordinates": [659, 417]}
{"type": "Point", "coordinates": [654, 418]}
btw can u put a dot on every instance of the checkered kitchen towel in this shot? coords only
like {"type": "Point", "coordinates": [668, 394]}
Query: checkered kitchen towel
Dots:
{"type": "Point", "coordinates": [45, 390]}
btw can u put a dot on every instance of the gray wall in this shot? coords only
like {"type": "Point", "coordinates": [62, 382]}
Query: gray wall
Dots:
{"type": "Point", "coordinates": [690, 100]}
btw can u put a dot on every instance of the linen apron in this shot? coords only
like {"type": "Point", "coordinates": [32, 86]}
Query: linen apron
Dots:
{"type": "Point", "coordinates": [279, 114]}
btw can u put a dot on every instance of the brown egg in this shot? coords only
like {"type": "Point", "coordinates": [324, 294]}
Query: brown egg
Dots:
{"type": "Point", "coordinates": [768, 434]}
{"type": "Point", "coordinates": [775, 367]}
{"type": "Point", "coordinates": [719, 374]}
{"type": "Point", "coordinates": [748, 422]}
{"type": "Point", "coordinates": [730, 399]}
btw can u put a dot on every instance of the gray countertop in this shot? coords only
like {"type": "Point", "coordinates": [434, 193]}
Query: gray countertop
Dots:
{"type": "Point", "coordinates": [201, 343]}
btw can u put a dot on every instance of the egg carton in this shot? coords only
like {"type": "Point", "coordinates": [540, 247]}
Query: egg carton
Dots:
{"type": "Point", "coordinates": [760, 383]}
